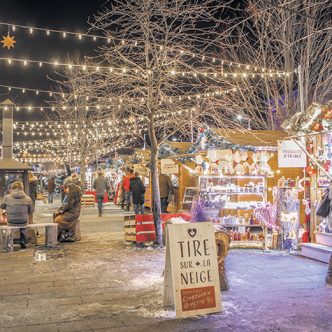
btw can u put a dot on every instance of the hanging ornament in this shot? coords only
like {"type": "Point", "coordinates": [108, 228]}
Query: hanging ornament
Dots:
{"type": "Point", "coordinates": [327, 165]}
{"type": "Point", "coordinates": [310, 170]}
{"type": "Point", "coordinates": [317, 126]}
{"type": "Point", "coordinates": [327, 114]}
{"type": "Point", "coordinates": [8, 41]}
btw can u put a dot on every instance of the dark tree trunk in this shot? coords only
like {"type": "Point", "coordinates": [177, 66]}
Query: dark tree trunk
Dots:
{"type": "Point", "coordinates": [82, 168]}
{"type": "Point", "coordinates": [156, 206]}
{"type": "Point", "coordinates": [329, 272]}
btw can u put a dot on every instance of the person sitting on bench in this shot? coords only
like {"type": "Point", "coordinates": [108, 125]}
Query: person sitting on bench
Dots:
{"type": "Point", "coordinates": [19, 207]}
{"type": "Point", "coordinates": [67, 215]}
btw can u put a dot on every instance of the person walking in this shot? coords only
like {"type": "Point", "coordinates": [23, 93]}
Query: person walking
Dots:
{"type": "Point", "coordinates": [50, 189]}
{"type": "Point", "coordinates": [137, 190]}
{"type": "Point", "coordinates": [165, 187]}
{"type": "Point", "coordinates": [19, 207]}
{"type": "Point", "coordinates": [100, 185]}
{"type": "Point", "coordinates": [126, 187]}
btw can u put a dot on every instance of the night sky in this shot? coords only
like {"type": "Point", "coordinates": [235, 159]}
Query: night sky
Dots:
{"type": "Point", "coordinates": [70, 15]}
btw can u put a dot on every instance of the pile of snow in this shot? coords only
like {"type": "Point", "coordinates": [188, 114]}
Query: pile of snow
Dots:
{"type": "Point", "coordinates": [148, 280]}
{"type": "Point", "coordinates": [177, 220]}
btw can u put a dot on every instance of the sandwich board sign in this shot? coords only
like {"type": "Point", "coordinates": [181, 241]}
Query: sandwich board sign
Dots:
{"type": "Point", "coordinates": [191, 281]}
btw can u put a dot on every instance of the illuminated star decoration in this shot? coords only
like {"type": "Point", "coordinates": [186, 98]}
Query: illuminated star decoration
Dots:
{"type": "Point", "coordinates": [8, 41]}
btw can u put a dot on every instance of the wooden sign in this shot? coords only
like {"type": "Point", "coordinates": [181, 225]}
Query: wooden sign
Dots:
{"type": "Point", "coordinates": [191, 281]}
{"type": "Point", "coordinates": [168, 166]}
{"type": "Point", "coordinates": [290, 155]}
{"type": "Point", "coordinates": [141, 170]}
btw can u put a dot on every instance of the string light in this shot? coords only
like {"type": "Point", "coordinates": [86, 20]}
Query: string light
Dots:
{"type": "Point", "coordinates": [182, 52]}
{"type": "Point", "coordinates": [122, 71]}
{"type": "Point", "coordinates": [119, 99]}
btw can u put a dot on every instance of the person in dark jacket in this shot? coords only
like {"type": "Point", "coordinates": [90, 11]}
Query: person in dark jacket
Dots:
{"type": "Point", "coordinates": [19, 207]}
{"type": "Point", "coordinates": [68, 214]}
{"type": "Point", "coordinates": [33, 185]}
{"type": "Point", "coordinates": [100, 185]}
{"type": "Point", "coordinates": [166, 188]}
{"type": "Point", "coordinates": [137, 190]}
{"type": "Point", "coordinates": [50, 189]}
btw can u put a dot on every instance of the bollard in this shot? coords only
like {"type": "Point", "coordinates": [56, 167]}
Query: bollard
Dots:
{"type": "Point", "coordinates": [78, 230]}
{"type": "Point", "coordinates": [51, 236]}
{"type": "Point", "coordinates": [6, 240]}
{"type": "Point", "coordinates": [329, 272]}
{"type": "Point", "coordinates": [222, 241]}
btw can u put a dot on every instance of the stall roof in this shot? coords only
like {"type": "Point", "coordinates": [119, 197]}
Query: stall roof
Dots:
{"type": "Point", "coordinates": [252, 137]}
{"type": "Point", "coordinates": [8, 164]}
{"type": "Point", "coordinates": [181, 146]}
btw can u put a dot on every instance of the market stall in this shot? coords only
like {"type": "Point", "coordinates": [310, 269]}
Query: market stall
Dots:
{"type": "Point", "coordinates": [236, 186]}
{"type": "Point", "coordinates": [311, 130]}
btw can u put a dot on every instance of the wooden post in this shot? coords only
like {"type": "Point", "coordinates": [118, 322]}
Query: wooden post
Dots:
{"type": "Point", "coordinates": [329, 272]}
{"type": "Point", "coordinates": [51, 236]}
{"type": "Point", "coordinates": [222, 242]}
{"type": "Point", "coordinates": [6, 240]}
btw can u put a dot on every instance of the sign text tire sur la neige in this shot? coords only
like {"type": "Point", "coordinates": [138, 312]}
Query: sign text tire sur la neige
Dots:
{"type": "Point", "coordinates": [191, 281]}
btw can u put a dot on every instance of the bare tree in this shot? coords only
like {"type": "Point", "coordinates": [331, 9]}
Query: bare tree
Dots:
{"type": "Point", "coordinates": [77, 118]}
{"type": "Point", "coordinates": [282, 35]}
{"type": "Point", "coordinates": [159, 75]}
{"type": "Point", "coordinates": [156, 76]}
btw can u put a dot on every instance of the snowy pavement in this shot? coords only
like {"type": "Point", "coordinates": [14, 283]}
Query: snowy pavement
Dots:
{"type": "Point", "coordinates": [104, 284]}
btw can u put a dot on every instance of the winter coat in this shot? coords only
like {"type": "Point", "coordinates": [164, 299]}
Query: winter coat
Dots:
{"type": "Point", "coordinates": [72, 207]}
{"type": "Point", "coordinates": [126, 182]}
{"type": "Point", "coordinates": [329, 218]}
{"type": "Point", "coordinates": [100, 185]}
{"type": "Point", "coordinates": [138, 190]}
{"type": "Point", "coordinates": [33, 184]}
{"type": "Point", "coordinates": [165, 186]}
{"type": "Point", "coordinates": [50, 186]}
{"type": "Point", "coordinates": [18, 206]}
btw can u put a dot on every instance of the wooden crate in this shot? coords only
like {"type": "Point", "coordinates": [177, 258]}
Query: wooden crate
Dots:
{"type": "Point", "coordinates": [141, 228]}
{"type": "Point", "coordinates": [129, 228]}
{"type": "Point", "coordinates": [88, 200]}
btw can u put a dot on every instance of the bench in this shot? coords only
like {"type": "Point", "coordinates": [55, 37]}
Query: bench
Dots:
{"type": "Point", "coordinates": [7, 239]}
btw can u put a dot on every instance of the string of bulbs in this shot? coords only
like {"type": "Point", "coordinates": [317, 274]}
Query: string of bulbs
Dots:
{"type": "Point", "coordinates": [121, 100]}
{"type": "Point", "coordinates": [108, 39]}
{"type": "Point", "coordinates": [171, 72]}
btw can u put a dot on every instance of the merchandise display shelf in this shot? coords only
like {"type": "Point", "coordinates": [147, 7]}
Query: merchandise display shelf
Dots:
{"type": "Point", "coordinates": [241, 225]}
{"type": "Point", "coordinates": [247, 244]}
{"type": "Point", "coordinates": [236, 197]}
{"type": "Point", "coordinates": [234, 193]}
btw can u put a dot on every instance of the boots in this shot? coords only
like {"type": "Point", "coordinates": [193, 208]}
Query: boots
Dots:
{"type": "Point", "coordinates": [329, 272]}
